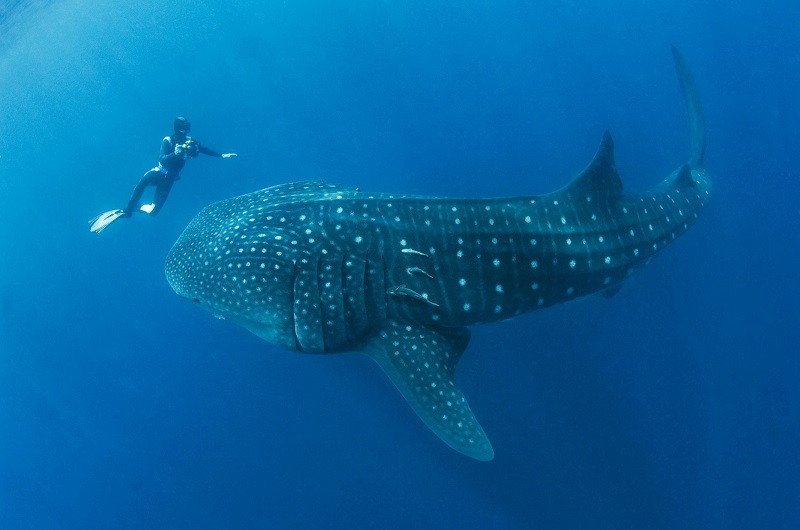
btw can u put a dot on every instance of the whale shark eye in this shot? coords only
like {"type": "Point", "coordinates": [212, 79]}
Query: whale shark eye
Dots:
{"type": "Point", "coordinates": [196, 300]}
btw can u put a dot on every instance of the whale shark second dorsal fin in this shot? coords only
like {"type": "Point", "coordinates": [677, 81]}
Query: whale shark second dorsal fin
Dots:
{"type": "Point", "coordinates": [600, 180]}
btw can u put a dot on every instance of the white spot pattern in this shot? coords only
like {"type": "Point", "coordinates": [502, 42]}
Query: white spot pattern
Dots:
{"type": "Point", "coordinates": [292, 256]}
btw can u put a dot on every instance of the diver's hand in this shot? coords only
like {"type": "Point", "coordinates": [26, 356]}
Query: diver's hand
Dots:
{"type": "Point", "coordinates": [181, 151]}
{"type": "Point", "coordinates": [228, 155]}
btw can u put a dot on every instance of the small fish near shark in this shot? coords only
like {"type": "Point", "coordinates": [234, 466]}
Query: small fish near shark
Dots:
{"type": "Point", "coordinates": [321, 268]}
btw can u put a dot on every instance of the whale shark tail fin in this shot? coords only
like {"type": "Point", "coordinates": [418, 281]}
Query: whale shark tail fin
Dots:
{"type": "Point", "coordinates": [697, 123]}
{"type": "Point", "coordinates": [101, 222]}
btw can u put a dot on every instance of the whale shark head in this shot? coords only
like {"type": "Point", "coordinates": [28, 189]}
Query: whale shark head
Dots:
{"type": "Point", "coordinates": [237, 259]}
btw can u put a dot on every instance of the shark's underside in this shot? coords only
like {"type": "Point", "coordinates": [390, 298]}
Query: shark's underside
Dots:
{"type": "Point", "coordinates": [321, 268]}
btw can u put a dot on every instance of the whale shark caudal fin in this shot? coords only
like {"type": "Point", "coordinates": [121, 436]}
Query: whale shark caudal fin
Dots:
{"type": "Point", "coordinates": [697, 124]}
{"type": "Point", "coordinates": [101, 222]}
{"type": "Point", "coordinates": [420, 361]}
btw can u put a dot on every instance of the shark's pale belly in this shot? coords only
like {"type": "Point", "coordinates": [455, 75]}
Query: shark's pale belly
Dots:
{"type": "Point", "coordinates": [320, 268]}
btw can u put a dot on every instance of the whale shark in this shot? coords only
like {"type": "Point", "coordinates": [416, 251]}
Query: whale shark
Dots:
{"type": "Point", "coordinates": [316, 267]}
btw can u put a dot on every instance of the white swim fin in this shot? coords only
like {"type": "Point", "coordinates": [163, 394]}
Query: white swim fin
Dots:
{"type": "Point", "coordinates": [99, 223]}
{"type": "Point", "coordinates": [147, 208]}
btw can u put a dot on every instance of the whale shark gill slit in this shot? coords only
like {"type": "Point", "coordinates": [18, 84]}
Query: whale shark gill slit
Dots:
{"type": "Point", "coordinates": [322, 268]}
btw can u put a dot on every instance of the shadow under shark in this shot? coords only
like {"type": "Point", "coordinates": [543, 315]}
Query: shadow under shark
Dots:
{"type": "Point", "coordinates": [321, 268]}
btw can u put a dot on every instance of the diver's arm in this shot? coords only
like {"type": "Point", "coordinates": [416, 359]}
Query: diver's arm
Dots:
{"type": "Point", "coordinates": [167, 153]}
{"type": "Point", "coordinates": [207, 151]}
{"type": "Point", "coordinates": [210, 152]}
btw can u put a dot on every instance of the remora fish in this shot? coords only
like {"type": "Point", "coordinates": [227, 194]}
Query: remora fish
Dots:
{"type": "Point", "coordinates": [321, 268]}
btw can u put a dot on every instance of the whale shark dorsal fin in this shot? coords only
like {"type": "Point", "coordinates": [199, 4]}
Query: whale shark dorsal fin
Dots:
{"type": "Point", "coordinates": [420, 362]}
{"type": "Point", "coordinates": [600, 180]}
{"type": "Point", "coordinates": [684, 177]}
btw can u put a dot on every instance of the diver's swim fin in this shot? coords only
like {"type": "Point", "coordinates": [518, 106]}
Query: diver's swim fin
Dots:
{"type": "Point", "coordinates": [100, 222]}
{"type": "Point", "coordinates": [147, 208]}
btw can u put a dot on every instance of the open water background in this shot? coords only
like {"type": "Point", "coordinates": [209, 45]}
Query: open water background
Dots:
{"type": "Point", "coordinates": [672, 405]}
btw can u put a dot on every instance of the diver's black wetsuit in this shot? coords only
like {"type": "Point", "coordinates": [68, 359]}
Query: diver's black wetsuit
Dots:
{"type": "Point", "coordinates": [164, 175]}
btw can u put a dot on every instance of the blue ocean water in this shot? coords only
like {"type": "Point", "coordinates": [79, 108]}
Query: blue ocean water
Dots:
{"type": "Point", "coordinates": [671, 405]}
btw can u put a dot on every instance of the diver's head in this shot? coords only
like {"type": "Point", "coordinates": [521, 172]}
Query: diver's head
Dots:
{"type": "Point", "coordinates": [182, 126]}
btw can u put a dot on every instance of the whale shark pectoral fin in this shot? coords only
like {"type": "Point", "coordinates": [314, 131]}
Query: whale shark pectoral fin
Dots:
{"type": "Point", "coordinates": [421, 361]}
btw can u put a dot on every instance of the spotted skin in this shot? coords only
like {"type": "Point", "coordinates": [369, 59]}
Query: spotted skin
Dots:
{"type": "Point", "coordinates": [321, 268]}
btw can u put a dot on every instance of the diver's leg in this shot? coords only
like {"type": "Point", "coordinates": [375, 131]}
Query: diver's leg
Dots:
{"type": "Point", "coordinates": [162, 192]}
{"type": "Point", "coordinates": [151, 178]}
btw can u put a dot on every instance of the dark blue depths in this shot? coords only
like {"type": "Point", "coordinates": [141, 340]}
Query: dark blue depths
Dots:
{"type": "Point", "coordinates": [672, 404]}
